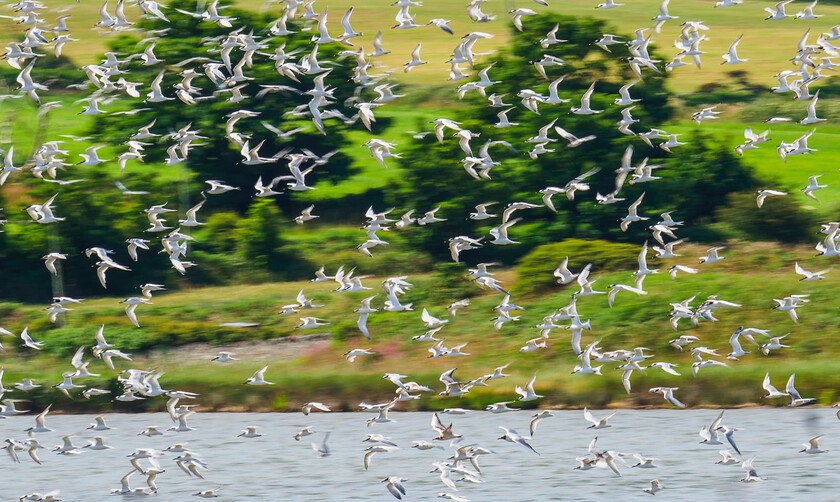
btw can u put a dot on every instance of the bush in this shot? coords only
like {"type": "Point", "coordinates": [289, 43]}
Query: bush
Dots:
{"type": "Point", "coordinates": [536, 268]}
{"type": "Point", "coordinates": [780, 219]}
{"type": "Point", "coordinates": [55, 73]}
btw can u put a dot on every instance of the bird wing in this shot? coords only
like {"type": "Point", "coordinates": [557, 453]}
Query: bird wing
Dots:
{"type": "Point", "coordinates": [362, 323]}
{"type": "Point", "coordinates": [587, 415]}
{"type": "Point", "coordinates": [732, 441]}
{"type": "Point", "coordinates": [669, 396]}
{"type": "Point", "coordinates": [394, 491]}
{"type": "Point", "coordinates": [129, 311]}
{"type": "Point", "coordinates": [76, 361]}
{"type": "Point", "coordinates": [437, 424]}
{"type": "Point", "coordinates": [790, 389]}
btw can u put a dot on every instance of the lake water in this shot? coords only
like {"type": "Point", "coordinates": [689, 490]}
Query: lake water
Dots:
{"type": "Point", "coordinates": [276, 467]}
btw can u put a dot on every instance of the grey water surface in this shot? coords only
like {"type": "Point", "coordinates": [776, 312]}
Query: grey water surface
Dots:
{"type": "Point", "coordinates": [276, 467]}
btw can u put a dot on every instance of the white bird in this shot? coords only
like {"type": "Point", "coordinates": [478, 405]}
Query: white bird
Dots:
{"type": "Point", "coordinates": [777, 12]}
{"type": "Point", "coordinates": [50, 259]}
{"type": "Point", "coordinates": [795, 398]}
{"type": "Point", "coordinates": [563, 274]}
{"type": "Point", "coordinates": [517, 16]}
{"type": "Point", "coordinates": [737, 350]}
{"type": "Point", "coordinates": [573, 140]}
{"type": "Point", "coordinates": [308, 407]}
{"type": "Point", "coordinates": [666, 367]}
{"type": "Point", "coordinates": [727, 459]}
{"type": "Point", "coordinates": [808, 12]}
{"type": "Point", "coordinates": [191, 220]}
{"type": "Point", "coordinates": [310, 323]}
{"type": "Point", "coordinates": [443, 24]}
{"type": "Point", "coordinates": [606, 40]}
{"type": "Point", "coordinates": [584, 108]}
{"type": "Point", "coordinates": [774, 344]}
{"type": "Point", "coordinates": [655, 486]}
{"type": "Point", "coordinates": [813, 186]}
{"type": "Point", "coordinates": [672, 272]}
{"type": "Point", "coordinates": [351, 355]}
{"type": "Point", "coordinates": [624, 98]}
{"type": "Point", "coordinates": [99, 424]}
{"type": "Point", "coordinates": [394, 484]}
{"type": "Point", "coordinates": [812, 111]}
{"type": "Point", "coordinates": [789, 304]}
{"type": "Point", "coordinates": [772, 392]}
{"type": "Point", "coordinates": [207, 494]}
{"type": "Point", "coordinates": [512, 436]}
{"type": "Point", "coordinates": [597, 423]}
{"type": "Point", "coordinates": [323, 450]}
{"type": "Point", "coordinates": [809, 276]}
{"type": "Point", "coordinates": [668, 394]}
{"type": "Point", "coordinates": [813, 445]}
{"type": "Point", "coordinates": [616, 288]}
{"type": "Point", "coordinates": [731, 57]}
{"type": "Point", "coordinates": [40, 425]}
{"type": "Point", "coordinates": [728, 432]}
{"type": "Point", "coordinates": [28, 341]}
{"type": "Point", "coordinates": [415, 59]}
{"type": "Point", "coordinates": [712, 255]}
{"type": "Point", "coordinates": [249, 432]}
{"type": "Point", "coordinates": [528, 394]}
{"type": "Point", "coordinates": [224, 357]}
{"type": "Point", "coordinates": [259, 378]}
{"type": "Point", "coordinates": [632, 214]}
{"type": "Point", "coordinates": [430, 321]}
{"type": "Point", "coordinates": [763, 194]}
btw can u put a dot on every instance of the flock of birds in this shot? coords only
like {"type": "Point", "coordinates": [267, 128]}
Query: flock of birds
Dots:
{"type": "Point", "coordinates": [230, 79]}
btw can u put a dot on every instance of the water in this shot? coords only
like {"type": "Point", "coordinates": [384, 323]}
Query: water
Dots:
{"type": "Point", "coordinates": [276, 467]}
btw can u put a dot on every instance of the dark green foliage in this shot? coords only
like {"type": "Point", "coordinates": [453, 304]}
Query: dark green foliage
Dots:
{"type": "Point", "coordinates": [53, 72]}
{"type": "Point", "coordinates": [97, 214]}
{"type": "Point", "coordinates": [105, 219]}
{"type": "Point", "coordinates": [702, 173]}
{"type": "Point", "coordinates": [217, 158]}
{"type": "Point", "coordinates": [694, 179]}
{"type": "Point", "coordinates": [779, 219]}
{"type": "Point", "coordinates": [259, 245]}
{"type": "Point", "coordinates": [536, 269]}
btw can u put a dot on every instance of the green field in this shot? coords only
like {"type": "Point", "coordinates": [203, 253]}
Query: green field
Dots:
{"type": "Point", "coordinates": [767, 46]}
{"type": "Point", "coordinates": [177, 320]}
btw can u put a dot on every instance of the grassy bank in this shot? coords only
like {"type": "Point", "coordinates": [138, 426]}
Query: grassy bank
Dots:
{"type": "Point", "coordinates": [180, 332]}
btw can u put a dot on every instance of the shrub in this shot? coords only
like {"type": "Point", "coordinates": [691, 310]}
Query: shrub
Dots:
{"type": "Point", "coordinates": [535, 269]}
{"type": "Point", "coordinates": [779, 219]}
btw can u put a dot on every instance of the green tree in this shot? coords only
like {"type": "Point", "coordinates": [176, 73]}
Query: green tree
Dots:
{"type": "Point", "coordinates": [695, 179]}
{"type": "Point", "coordinates": [259, 244]}
{"type": "Point", "coordinates": [95, 214]}
{"type": "Point", "coordinates": [779, 219]}
{"type": "Point", "coordinates": [189, 38]}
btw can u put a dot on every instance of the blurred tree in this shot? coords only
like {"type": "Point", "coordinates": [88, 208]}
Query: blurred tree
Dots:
{"type": "Point", "coordinates": [105, 219]}
{"type": "Point", "coordinates": [259, 243]}
{"type": "Point", "coordinates": [695, 179]}
{"type": "Point", "coordinates": [779, 219]}
{"type": "Point", "coordinates": [187, 45]}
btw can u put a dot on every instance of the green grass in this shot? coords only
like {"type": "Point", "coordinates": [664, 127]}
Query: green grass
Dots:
{"type": "Point", "coordinates": [189, 316]}
{"type": "Point", "coordinates": [793, 174]}
{"type": "Point", "coordinates": [767, 43]}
